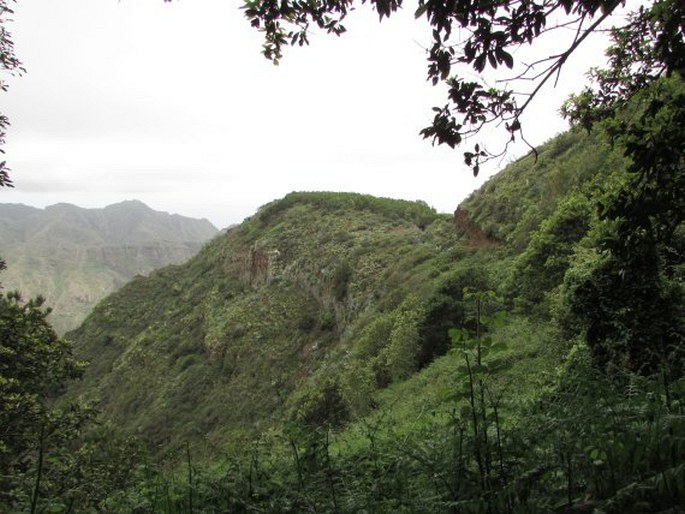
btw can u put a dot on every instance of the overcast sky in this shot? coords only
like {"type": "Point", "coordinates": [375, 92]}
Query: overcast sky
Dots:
{"type": "Point", "coordinates": [173, 104]}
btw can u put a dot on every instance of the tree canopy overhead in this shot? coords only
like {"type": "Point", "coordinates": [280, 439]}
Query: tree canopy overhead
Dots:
{"type": "Point", "coordinates": [9, 64]}
{"type": "Point", "coordinates": [477, 35]}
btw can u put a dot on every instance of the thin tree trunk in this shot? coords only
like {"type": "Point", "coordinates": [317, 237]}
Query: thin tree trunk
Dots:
{"type": "Point", "coordinates": [39, 470]}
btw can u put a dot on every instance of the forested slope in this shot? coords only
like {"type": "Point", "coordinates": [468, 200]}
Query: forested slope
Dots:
{"type": "Point", "coordinates": [218, 346]}
{"type": "Point", "coordinates": [343, 353]}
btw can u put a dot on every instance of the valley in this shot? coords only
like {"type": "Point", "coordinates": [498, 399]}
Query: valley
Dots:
{"type": "Point", "coordinates": [342, 352]}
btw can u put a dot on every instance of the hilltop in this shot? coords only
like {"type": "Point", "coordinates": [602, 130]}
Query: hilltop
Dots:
{"type": "Point", "coordinates": [256, 314]}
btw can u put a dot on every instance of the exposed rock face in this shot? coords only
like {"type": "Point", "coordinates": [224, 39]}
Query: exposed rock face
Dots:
{"type": "Point", "coordinates": [260, 265]}
{"type": "Point", "coordinates": [74, 257]}
{"type": "Point", "coordinates": [470, 229]}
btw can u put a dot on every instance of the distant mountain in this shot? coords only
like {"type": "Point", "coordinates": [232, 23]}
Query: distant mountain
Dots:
{"type": "Point", "coordinates": [74, 257]}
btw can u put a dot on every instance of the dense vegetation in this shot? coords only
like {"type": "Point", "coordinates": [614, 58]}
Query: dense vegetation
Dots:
{"type": "Point", "coordinates": [343, 353]}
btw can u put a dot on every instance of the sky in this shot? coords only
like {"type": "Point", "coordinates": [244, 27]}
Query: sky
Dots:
{"type": "Point", "coordinates": [174, 105]}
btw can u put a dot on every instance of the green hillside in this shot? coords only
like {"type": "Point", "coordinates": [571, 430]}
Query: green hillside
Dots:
{"type": "Point", "coordinates": [315, 289]}
{"type": "Point", "coordinates": [338, 352]}
{"type": "Point", "coordinates": [258, 314]}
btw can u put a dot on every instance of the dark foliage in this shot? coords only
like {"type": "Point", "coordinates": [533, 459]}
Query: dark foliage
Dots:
{"type": "Point", "coordinates": [445, 309]}
{"type": "Point", "coordinates": [635, 288]}
{"type": "Point", "coordinates": [8, 64]}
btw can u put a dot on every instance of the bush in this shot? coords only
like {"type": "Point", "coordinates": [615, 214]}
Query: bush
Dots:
{"type": "Point", "coordinates": [444, 310]}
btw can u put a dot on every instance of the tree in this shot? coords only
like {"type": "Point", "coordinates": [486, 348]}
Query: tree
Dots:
{"type": "Point", "coordinates": [634, 280]}
{"type": "Point", "coordinates": [543, 264]}
{"type": "Point", "coordinates": [482, 35]}
{"type": "Point", "coordinates": [11, 65]}
{"type": "Point", "coordinates": [35, 365]}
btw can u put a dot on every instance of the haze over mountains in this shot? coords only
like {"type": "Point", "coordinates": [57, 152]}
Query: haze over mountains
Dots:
{"type": "Point", "coordinates": [74, 256]}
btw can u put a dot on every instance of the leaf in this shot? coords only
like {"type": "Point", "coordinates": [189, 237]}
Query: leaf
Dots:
{"type": "Point", "coordinates": [479, 63]}
{"type": "Point", "coordinates": [507, 58]}
{"type": "Point", "coordinates": [471, 344]}
{"type": "Point", "coordinates": [420, 11]}
{"type": "Point", "coordinates": [455, 335]}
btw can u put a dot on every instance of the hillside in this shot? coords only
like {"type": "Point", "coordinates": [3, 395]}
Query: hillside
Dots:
{"type": "Point", "coordinates": [338, 352]}
{"type": "Point", "coordinates": [74, 257]}
{"type": "Point", "coordinates": [257, 313]}
{"type": "Point", "coordinates": [315, 289]}
{"type": "Point", "coordinates": [343, 353]}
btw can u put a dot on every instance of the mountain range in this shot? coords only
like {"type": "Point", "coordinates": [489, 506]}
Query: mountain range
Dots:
{"type": "Point", "coordinates": [74, 257]}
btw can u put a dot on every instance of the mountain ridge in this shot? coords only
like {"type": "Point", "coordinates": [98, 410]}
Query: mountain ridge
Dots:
{"type": "Point", "coordinates": [75, 256]}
